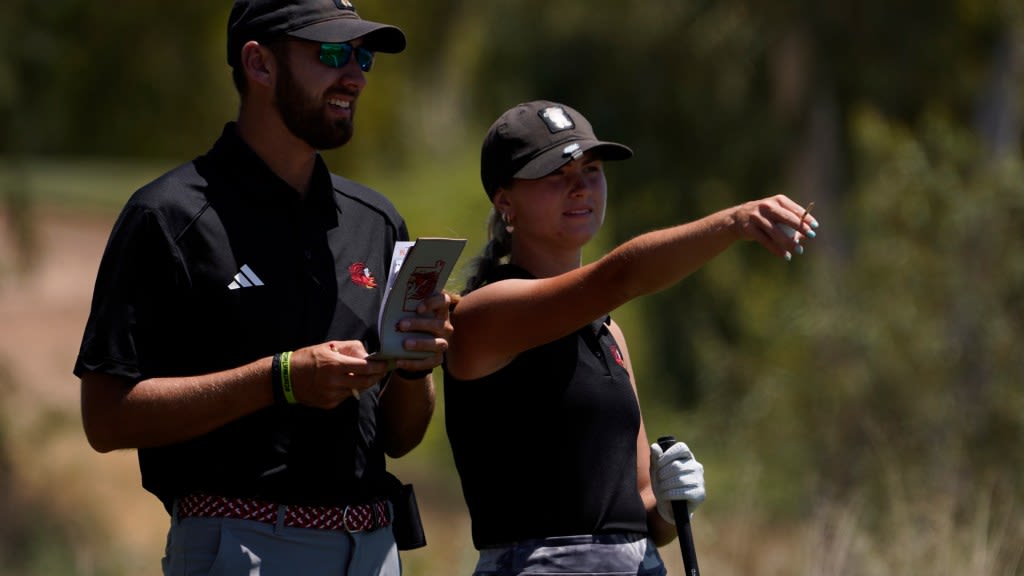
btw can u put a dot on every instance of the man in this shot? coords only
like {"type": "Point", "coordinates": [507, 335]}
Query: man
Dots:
{"type": "Point", "coordinates": [233, 313]}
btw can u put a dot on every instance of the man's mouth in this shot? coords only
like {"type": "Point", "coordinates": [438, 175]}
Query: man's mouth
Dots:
{"type": "Point", "coordinates": [339, 103]}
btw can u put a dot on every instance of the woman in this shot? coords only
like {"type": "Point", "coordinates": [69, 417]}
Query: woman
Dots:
{"type": "Point", "coordinates": [542, 413]}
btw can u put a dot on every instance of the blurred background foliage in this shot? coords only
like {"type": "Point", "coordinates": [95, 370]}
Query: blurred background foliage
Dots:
{"type": "Point", "coordinates": [878, 375]}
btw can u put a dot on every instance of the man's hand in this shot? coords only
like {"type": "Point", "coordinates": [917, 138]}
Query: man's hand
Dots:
{"type": "Point", "coordinates": [433, 320]}
{"type": "Point", "coordinates": [327, 374]}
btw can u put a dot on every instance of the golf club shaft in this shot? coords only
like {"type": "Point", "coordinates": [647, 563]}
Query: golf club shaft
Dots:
{"type": "Point", "coordinates": [682, 515]}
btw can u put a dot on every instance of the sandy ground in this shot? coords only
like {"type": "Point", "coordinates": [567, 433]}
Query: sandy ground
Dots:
{"type": "Point", "coordinates": [43, 311]}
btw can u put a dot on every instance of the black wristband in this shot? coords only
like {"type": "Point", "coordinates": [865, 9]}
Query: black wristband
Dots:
{"type": "Point", "coordinates": [413, 375]}
{"type": "Point", "coordinates": [275, 380]}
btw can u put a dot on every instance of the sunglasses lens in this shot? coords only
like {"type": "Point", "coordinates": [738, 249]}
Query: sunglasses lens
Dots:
{"type": "Point", "coordinates": [365, 57]}
{"type": "Point", "coordinates": [337, 55]}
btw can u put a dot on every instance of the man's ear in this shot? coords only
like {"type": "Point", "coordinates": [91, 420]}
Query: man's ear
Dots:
{"type": "Point", "coordinates": [258, 62]}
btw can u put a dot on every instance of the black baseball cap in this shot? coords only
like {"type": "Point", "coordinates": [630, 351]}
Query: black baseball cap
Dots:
{"type": "Point", "coordinates": [317, 20]}
{"type": "Point", "coordinates": [533, 139]}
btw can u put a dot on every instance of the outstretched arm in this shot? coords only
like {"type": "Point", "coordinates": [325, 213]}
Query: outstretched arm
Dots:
{"type": "Point", "coordinates": [495, 323]}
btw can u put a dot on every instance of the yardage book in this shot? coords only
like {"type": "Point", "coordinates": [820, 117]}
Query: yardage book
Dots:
{"type": "Point", "coordinates": [419, 269]}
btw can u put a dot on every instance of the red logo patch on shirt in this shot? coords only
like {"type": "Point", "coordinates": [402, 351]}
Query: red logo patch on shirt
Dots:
{"type": "Point", "coordinates": [617, 355]}
{"type": "Point", "coordinates": [361, 275]}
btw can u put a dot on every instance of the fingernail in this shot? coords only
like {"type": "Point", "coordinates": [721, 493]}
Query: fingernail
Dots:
{"type": "Point", "coordinates": [810, 234]}
{"type": "Point", "coordinates": [799, 249]}
{"type": "Point", "coordinates": [814, 224]}
{"type": "Point", "coordinates": [788, 256]}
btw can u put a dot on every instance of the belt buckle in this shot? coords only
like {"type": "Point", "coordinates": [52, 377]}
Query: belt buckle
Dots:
{"type": "Point", "coordinates": [344, 521]}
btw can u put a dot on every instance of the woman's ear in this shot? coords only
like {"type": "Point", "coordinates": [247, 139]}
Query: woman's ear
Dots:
{"type": "Point", "coordinates": [258, 63]}
{"type": "Point", "coordinates": [501, 201]}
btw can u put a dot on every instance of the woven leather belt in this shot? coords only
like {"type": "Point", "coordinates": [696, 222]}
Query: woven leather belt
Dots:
{"type": "Point", "coordinates": [353, 518]}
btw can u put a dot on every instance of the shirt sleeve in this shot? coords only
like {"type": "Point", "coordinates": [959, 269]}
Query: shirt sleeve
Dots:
{"type": "Point", "coordinates": [137, 255]}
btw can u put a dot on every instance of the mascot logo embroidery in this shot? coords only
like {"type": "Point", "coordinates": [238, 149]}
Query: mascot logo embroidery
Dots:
{"type": "Point", "coordinates": [617, 355]}
{"type": "Point", "coordinates": [361, 275]}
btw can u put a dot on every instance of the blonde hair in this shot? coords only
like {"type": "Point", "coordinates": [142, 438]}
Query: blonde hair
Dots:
{"type": "Point", "coordinates": [494, 254]}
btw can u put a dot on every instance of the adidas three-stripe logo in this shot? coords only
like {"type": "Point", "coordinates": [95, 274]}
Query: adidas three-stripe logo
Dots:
{"type": "Point", "coordinates": [245, 278]}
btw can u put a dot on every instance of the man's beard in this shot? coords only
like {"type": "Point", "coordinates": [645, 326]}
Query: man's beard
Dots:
{"type": "Point", "coordinates": [304, 117]}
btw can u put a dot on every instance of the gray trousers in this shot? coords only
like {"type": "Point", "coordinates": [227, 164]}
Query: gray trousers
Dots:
{"type": "Point", "coordinates": [594, 554]}
{"type": "Point", "coordinates": [230, 547]}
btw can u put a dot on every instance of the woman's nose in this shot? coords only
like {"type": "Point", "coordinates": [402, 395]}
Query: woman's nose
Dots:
{"type": "Point", "coordinates": [578, 185]}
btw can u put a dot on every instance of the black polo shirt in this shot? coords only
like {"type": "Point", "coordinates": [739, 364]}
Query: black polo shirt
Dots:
{"type": "Point", "coordinates": [219, 263]}
{"type": "Point", "coordinates": [546, 446]}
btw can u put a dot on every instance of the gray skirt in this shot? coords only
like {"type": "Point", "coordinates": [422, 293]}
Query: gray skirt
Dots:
{"type": "Point", "coordinates": [596, 554]}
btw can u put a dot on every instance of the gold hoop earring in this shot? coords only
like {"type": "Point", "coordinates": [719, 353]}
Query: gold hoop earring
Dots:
{"type": "Point", "coordinates": [508, 222]}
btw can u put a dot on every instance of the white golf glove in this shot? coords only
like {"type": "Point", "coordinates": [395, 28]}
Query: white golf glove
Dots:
{"type": "Point", "coordinates": [676, 475]}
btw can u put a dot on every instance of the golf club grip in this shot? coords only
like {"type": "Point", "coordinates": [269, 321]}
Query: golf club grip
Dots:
{"type": "Point", "coordinates": [682, 515]}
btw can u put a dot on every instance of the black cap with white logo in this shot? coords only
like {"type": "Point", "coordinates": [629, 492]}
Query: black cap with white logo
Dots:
{"type": "Point", "coordinates": [536, 138]}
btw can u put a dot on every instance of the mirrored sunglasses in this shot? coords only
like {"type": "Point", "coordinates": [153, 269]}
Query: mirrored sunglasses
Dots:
{"type": "Point", "coordinates": [337, 54]}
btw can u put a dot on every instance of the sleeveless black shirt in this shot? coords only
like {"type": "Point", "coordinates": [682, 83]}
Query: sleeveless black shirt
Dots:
{"type": "Point", "coordinates": [547, 445]}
